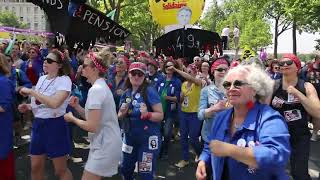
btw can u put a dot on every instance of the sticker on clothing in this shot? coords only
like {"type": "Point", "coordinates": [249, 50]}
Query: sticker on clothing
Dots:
{"type": "Point", "coordinates": [146, 164]}
{"type": "Point", "coordinates": [292, 115]}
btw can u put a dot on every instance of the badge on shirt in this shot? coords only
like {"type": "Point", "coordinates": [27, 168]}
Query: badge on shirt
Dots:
{"type": "Point", "coordinates": [153, 142]}
{"type": "Point", "coordinates": [162, 84]}
{"type": "Point", "coordinates": [137, 96]}
{"type": "Point", "coordinates": [241, 143]}
{"type": "Point", "coordinates": [277, 102]}
{"type": "Point", "coordinates": [156, 79]}
{"type": "Point", "coordinates": [128, 100]}
{"type": "Point", "coordinates": [292, 98]}
{"type": "Point", "coordinates": [185, 101]}
{"type": "Point", "coordinates": [126, 148]}
{"type": "Point", "coordinates": [251, 144]}
{"type": "Point", "coordinates": [134, 102]}
{"type": "Point", "coordinates": [292, 115]}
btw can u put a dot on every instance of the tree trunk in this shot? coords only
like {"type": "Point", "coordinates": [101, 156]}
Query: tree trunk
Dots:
{"type": "Point", "coordinates": [294, 37]}
{"type": "Point", "coordinates": [275, 47]}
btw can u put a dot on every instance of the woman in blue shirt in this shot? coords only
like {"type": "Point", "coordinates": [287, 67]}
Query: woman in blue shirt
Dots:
{"type": "Point", "coordinates": [6, 121]}
{"type": "Point", "coordinates": [249, 141]}
{"type": "Point", "coordinates": [141, 107]}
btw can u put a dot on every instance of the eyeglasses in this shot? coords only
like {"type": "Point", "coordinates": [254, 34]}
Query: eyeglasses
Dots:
{"type": "Point", "coordinates": [221, 69]}
{"type": "Point", "coordinates": [236, 84]}
{"type": "Point", "coordinates": [139, 73]}
{"type": "Point", "coordinates": [50, 61]}
{"type": "Point", "coordinates": [32, 52]}
{"type": "Point", "coordinates": [289, 62]}
{"type": "Point", "coordinates": [276, 67]}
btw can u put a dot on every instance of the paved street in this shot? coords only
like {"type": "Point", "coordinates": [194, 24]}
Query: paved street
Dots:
{"type": "Point", "coordinates": [165, 169]}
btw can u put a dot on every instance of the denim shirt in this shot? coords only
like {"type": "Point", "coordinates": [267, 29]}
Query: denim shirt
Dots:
{"type": "Point", "coordinates": [6, 118]}
{"type": "Point", "coordinates": [209, 95]}
{"type": "Point", "coordinates": [265, 130]}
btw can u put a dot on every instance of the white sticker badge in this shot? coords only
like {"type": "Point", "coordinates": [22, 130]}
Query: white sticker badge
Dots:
{"type": "Point", "coordinates": [241, 143]}
{"type": "Point", "coordinates": [153, 142]}
{"type": "Point", "coordinates": [126, 148]}
{"type": "Point", "coordinates": [137, 96]}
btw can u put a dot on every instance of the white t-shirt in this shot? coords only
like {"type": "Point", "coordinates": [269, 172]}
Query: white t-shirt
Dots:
{"type": "Point", "coordinates": [236, 32]}
{"type": "Point", "coordinates": [106, 142]}
{"type": "Point", "coordinates": [225, 32]}
{"type": "Point", "coordinates": [49, 87]}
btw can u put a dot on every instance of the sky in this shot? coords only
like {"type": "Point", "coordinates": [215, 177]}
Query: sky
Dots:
{"type": "Point", "coordinates": [305, 41]}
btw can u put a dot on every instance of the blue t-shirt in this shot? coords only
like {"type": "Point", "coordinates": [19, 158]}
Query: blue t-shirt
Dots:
{"type": "Point", "coordinates": [6, 118]}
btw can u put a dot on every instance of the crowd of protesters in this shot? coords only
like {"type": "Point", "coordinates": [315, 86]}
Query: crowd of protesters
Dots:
{"type": "Point", "coordinates": [243, 120]}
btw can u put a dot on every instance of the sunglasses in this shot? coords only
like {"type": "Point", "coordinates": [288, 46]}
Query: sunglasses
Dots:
{"type": "Point", "coordinates": [221, 70]}
{"type": "Point", "coordinates": [168, 66]}
{"type": "Point", "coordinates": [50, 61]}
{"type": "Point", "coordinates": [139, 73]}
{"type": "Point", "coordinates": [32, 52]}
{"type": "Point", "coordinates": [289, 62]}
{"type": "Point", "coordinates": [236, 84]}
{"type": "Point", "coordinates": [276, 67]}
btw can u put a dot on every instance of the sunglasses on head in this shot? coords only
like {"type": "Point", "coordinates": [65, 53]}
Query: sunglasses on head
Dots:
{"type": "Point", "coordinates": [289, 62]}
{"type": "Point", "coordinates": [236, 84]}
{"type": "Point", "coordinates": [137, 72]}
{"type": "Point", "coordinates": [50, 61]}
{"type": "Point", "coordinates": [221, 69]}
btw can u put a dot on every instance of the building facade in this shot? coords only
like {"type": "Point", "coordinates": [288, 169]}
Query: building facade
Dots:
{"type": "Point", "coordinates": [28, 13]}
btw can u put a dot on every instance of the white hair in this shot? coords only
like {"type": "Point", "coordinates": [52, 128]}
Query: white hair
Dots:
{"type": "Point", "coordinates": [257, 78]}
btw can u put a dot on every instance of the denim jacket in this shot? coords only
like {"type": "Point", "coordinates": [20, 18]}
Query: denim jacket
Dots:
{"type": "Point", "coordinates": [209, 95]}
{"type": "Point", "coordinates": [265, 130]}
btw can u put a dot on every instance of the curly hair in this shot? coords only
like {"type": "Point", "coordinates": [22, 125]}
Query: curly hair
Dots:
{"type": "Point", "coordinates": [257, 78]}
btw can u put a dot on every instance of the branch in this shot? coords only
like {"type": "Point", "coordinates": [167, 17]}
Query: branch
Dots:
{"type": "Point", "coordinates": [285, 27]}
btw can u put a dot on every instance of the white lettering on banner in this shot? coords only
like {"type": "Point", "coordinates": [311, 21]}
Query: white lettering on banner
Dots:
{"type": "Point", "coordinates": [95, 20]}
{"type": "Point", "coordinates": [57, 3]}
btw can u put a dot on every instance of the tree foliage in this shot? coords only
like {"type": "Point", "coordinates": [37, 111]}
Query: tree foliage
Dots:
{"type": "Point", "coordinates": [8, 18]}
{"type": "Point", "coordinates": [247, 14]}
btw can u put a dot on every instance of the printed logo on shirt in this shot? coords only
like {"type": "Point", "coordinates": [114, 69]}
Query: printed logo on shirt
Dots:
{"type": "Point", "coordinates": [277, 102]}
{"type": "Point", "coordinates": [146, 164]}
{"type": "Point", "coordinates": [153, 142]}
{"type": "Point", "coordinates": [126, 148]}
{"type": "Point", "coordinates": [292, 115]}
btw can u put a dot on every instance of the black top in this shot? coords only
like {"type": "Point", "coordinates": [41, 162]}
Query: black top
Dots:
{"type": "Point", "coordinates": [292, 110]}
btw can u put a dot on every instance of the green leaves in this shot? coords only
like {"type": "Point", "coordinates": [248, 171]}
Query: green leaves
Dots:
{"type": "Point", "coordinates": [8, 18]}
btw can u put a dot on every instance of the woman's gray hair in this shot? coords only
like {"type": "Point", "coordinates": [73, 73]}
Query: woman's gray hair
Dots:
{"type": "Point", "coordinates": [257, 78]}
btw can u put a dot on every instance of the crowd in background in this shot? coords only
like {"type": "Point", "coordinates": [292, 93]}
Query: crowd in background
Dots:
{"type": "Point", "coordinates": [144, 101]}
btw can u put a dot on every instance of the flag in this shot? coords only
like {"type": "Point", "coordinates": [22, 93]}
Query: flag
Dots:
{"type": "Point", "coordinates": [111, 14]}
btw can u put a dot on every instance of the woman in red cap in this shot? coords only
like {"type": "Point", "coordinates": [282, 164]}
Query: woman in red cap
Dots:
{"type": "Point", "coordinates": [295, 112]}
{"type": "Point", "coordinates": [141, 109]}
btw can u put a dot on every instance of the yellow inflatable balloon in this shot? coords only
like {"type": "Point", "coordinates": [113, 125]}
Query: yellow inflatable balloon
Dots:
{"type": "Point", "coordinates": [164, 12]}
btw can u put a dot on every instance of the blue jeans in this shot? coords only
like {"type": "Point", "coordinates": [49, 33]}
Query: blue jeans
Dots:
{"type": "Point", "coordinates": [167, 127]}
{"type": "Point", "coordinates": [190, 126]}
